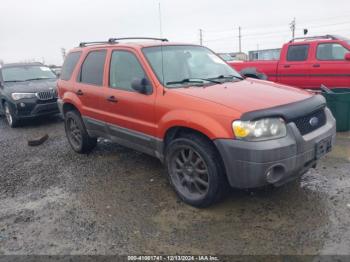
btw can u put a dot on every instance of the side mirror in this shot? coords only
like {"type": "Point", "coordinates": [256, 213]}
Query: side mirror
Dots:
{"type": "Point", "coordinates": [347, 57]}
{"type": "Point", "coordinates": [141, 85]}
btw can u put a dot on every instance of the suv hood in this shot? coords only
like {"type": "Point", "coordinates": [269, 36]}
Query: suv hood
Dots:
{"type": "Point", "coordinates": [31, 86]}
{"type": "Point", "coordinates": [247, 95]}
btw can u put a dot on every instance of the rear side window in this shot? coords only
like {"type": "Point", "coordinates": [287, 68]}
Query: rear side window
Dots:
{"type": "Point", "coordinates": [69, 64]}
{"type": "Point", "coordinates": [93, 67]}
{"type": "Point", "coordinates": [331, 51]}
{"type": "Point", "coordinates": [297, 52]}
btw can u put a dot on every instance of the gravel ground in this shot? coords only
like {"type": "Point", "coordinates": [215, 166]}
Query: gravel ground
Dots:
{"type": "Point", "coordinates": [118, 201]}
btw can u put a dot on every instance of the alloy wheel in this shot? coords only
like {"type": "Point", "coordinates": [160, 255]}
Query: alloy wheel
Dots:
{"type": "Point", "coordinates": [74, 132]}
{"type": "Point", "coordinates": [189, 173]}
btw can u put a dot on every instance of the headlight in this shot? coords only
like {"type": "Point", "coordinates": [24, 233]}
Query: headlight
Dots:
{"type": "Point", "coordinates": [18, 96]}
{"type": "Point", "coordinates": [263, 129]}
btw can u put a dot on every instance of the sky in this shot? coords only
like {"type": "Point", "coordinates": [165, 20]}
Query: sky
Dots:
{"type": "Point", "coordinates": [39, 29]}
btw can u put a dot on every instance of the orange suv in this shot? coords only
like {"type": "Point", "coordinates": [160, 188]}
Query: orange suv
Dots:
{"type": "Point", "coordinates": [186, 106]}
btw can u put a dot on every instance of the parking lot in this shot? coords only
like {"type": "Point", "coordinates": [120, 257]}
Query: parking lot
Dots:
{"type": "Point", "coordinates": [118, 201]}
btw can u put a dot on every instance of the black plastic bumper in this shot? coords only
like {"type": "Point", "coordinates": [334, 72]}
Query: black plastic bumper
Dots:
{"type": "Point", "coordinates": [255, 164]}
{"type": "Point", "coordinates": [29, 109]}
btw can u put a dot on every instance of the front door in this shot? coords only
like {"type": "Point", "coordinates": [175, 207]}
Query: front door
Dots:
{"type": "Point", "coordinates": [129, 114]}
{"type": "Point", "coordinates": [329, 67]}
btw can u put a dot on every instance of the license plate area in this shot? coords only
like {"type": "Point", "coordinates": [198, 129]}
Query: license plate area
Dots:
{"type": "Point", "coordinates": [323, 147]}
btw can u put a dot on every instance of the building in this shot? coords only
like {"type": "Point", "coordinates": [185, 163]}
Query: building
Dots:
{"type": "Point", "coordinates": [265, 54]}
{"type": "Point", "coordinates": [240, 56]}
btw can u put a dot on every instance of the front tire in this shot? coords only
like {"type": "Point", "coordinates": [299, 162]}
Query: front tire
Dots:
{"type": "Point", "coordinates": [195, 170]}
{"type": "Point", "coordinates": [10, 115]}
{"type": "Point", "coordinates": [77, 134]}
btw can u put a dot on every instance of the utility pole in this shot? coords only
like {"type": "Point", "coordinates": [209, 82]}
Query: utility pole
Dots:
{"type": "Point", "coordinates": [63, 52]}
{"type": "Point", "coordinates": [200, 36]}
{"type": "Point", "coordinates": [239, 39]}
{"type": "Point", "coordinates": [292, 27]}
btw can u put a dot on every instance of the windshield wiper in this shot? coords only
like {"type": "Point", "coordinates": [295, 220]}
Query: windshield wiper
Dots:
{"type": "Point", "coordinates": [193, 80]}
{"type": "Point", "coordinates": [38, 78]}
{"type": "Point", "coordinates": [184, 81]}
{"type": "Point", "coordinates": [227, 77]}
{"type": "Point", "coordinates": [13, 81]}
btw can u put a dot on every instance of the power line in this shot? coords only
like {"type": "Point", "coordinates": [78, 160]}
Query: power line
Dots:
{"type": "Point", "coordinates": [275, 33]}
{"type": "Point", "coordinates": [260, 27]}
{"type": "Point", "coordinates": [327, 25]}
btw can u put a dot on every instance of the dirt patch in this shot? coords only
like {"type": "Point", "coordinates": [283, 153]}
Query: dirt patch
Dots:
{"type": "Point", "coordinates": [118, 201]}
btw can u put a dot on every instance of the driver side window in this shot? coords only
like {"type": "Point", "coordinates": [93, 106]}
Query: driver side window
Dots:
{"type": "Point", "coordinates": [124, 68]}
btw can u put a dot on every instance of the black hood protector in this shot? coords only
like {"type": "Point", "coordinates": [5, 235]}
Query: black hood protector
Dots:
{"type": "Point", "coordinates": [288, 112]}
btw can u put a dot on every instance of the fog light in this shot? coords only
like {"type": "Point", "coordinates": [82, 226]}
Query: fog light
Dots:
{"type": "Point", "coordinates": [275, 174]}
{"type": "Point", "coordinates": [22, 105]}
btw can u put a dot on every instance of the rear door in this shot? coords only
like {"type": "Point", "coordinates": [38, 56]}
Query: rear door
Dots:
{"type": "Point", "coordinates": [294, 67]}
{"type": "Point", "coordinates": [89, 85]}
{"type": "Point", "coordinates": [329, 66]}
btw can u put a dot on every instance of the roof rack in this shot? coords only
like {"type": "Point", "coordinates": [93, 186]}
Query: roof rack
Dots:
{"type": "Point", "coordinates": [333, 37]}
{"type": "Point", "coordinates": [115, 40]}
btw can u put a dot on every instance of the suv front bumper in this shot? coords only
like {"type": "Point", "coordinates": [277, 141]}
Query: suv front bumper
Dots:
{"type": "Point", "coordinates": [28, 108]}
{"type": "Point", "coordinates": [255, 164]}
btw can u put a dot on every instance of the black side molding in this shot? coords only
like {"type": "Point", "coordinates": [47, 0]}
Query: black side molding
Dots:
{"type": "Point", "coordinates": [289, 111]}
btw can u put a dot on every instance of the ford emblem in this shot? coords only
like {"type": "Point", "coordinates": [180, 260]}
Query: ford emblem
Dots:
{"type": "Point", "coordinates": [313, 121]}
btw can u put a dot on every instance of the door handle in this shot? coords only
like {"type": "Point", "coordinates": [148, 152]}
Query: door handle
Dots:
{"type": "Point", "coordinates": [286, 66]}
{"type": "Point", "coordinates": [316, 65]}
{"type": "Point", "coordinates": [112, 99]}
{"type": "Point", "coordinates": [80, 93]}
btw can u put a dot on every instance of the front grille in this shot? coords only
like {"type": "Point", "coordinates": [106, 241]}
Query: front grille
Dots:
{"type": "Point", "coordinates": [311, 122]}
{"type": "Point", "coordinates": [47, 95]}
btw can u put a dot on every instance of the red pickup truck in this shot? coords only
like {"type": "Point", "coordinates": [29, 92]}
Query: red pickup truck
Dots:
{"type": "Point", "coordinates": [305, 62]}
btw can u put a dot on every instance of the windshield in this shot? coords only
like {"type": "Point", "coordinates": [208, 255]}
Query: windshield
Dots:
{"type": "Point", "coordinates": [174, 64]}
{"type": "Point", "coordinates": [25, 73]}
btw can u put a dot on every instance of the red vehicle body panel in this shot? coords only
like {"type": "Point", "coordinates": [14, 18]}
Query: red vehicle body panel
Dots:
{"type": "Point", "coordinates": [310, 74]}
{"type": "Point", "coordinates": [210, 110]}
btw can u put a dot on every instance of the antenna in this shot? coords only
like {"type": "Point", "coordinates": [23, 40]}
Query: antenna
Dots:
{"type": "Point", "coordinates": [240, 39]}
{"type": "Point", "coordinates": [160, 20]}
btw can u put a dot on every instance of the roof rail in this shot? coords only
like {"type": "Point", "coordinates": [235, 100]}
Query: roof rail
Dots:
{"type": "Point", "coordinates": [115, 40]}
{"type": "Point", "coordinates": [314, 37]}
{"type": "Point", "coordinates": [83, 44]}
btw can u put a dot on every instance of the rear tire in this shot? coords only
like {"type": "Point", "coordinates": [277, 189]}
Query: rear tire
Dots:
{"type": "Point", "coordinates": [77, 134]}
{"type": "Point", "coordinates": [10, 115]}
{"type": "Point", "coordinates": [195, 170]}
